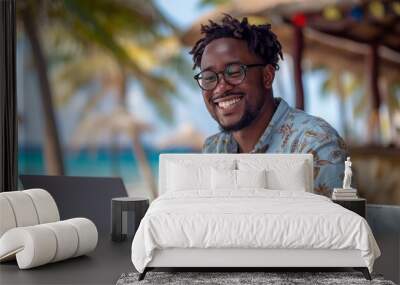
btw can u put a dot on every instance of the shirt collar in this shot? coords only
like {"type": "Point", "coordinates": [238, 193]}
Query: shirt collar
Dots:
{"type": "Point", "coordinates": [263, 143]}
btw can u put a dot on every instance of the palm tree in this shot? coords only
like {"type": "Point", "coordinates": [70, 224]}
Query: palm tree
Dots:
{"type": "Point", "coordinates": [103, 25]}
{"type": "Point", "coordinates": [336, 83]}
{"type": "Point", "coordinates": [348, 84]}
{"type": "Point", "coordinates": [52, 146]}
{"type": "Point", "coordinates": [90, 23]}
{"type": "Point", "coordinates": [95, 66]}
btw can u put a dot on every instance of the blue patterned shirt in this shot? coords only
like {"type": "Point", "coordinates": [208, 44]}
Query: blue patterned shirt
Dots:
{"type": "Point", "coordinates": [294, 131]}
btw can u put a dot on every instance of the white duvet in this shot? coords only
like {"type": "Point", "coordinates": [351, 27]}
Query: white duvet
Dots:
{"type": "Point", "coordinates": [253, 218]}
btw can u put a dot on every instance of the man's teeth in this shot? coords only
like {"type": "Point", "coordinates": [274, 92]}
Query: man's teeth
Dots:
{"type": "Point", "coordinates": [226, 104]}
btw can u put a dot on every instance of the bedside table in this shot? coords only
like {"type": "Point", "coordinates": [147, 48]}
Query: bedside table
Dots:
{"type": "Point", "coordinates": [126, 211]}
{"type": "Point", "coordinates": [358, 205]}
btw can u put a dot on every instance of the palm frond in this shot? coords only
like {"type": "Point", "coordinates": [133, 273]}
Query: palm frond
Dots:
{"type": "Point", "coordinates": [362, 104]}
{"type": "Point", "coordinates": [394, 96]}
{"type": "Point", "coordinates": [204, 3]}
{"type": "Point", "coordinates": [138, 18]}
{"type": "Point", "coordinates": [352, 83]}
{"type": "Point", "coordinates": [158, 90]}
{"type": "Point", "coordinates": [328, 85]}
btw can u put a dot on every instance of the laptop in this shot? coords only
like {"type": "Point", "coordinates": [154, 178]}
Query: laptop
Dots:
{"type": "Point", "coordinates": [75, 196]}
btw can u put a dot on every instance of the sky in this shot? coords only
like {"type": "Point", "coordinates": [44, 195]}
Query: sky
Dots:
{"type": "Point", "coordinates": [183, 13]}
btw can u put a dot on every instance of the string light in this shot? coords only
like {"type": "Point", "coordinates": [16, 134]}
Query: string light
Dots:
{"type": "Point", "coordinates": [299, 20]}
{"type": "Point", "coordinates": [377, 9]}
{"type": "Point", "coordinates": [396, 7]}
{"type": "Point", "coordinates": [257, 20]}
{"type": "Point", "coordinates": [332, 13]}
{"type": "Point", "coordinates": [357, 14]}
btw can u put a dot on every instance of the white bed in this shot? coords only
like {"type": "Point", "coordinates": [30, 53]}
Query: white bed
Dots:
{"type": "Point", "coordinates": [198, 223]}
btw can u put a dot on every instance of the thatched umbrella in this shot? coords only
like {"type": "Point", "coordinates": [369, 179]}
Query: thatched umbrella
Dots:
{"type": "Point", "coordinates": [185, 136]}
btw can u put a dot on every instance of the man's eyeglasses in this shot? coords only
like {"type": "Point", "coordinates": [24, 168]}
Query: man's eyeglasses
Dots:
{"type": "Point", "coordinates": [233, 74]}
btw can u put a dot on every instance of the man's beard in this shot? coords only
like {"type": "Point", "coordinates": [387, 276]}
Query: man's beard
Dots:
{"type": "Point", "coordinates": [245, 121]}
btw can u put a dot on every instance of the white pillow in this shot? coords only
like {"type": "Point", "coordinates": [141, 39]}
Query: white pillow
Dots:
{"type": "Point", "coordinates": [251, 178]}
{"type": "Point", "coordinates": [188, 175]}
{"type": "Point", "coordinates": [223, 179]}
{"type": "Point", "coordinates": [293, 180]}
{"type": "Point", "coordinates": [281, 174]}
{"type": "Point", "coordinates": [237, 179]}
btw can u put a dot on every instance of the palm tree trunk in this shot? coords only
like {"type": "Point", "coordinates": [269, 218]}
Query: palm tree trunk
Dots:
{"type": "Point", "coordinates": [297, 61]}
{"type": "Point", "coordinates": [373, 79]}
{"type": "Point", "coordinates": [52, 146]}
{"type": "Point", "coordinates": [144, 165]}
{"type": "Point", "coordinates": [115, 159]}
{"type": "Point", "coordinates": [137, 147]}
{"type": "Point", "coordinates": [342, 105]}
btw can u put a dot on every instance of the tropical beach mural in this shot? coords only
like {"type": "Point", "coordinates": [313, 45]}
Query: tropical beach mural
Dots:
{"type": "Point", "coordinates": [105, 86]}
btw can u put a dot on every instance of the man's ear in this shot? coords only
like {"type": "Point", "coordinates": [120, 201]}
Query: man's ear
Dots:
{"type": "Point", "coordinates": [268, 76]}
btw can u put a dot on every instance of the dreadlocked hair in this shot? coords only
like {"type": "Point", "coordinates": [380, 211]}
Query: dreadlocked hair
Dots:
{"type": "Point", "coordinates": [260, 39]}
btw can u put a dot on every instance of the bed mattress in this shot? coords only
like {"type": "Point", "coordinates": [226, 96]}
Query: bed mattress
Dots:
{"type": "Point", "coordinates": [250, 219]}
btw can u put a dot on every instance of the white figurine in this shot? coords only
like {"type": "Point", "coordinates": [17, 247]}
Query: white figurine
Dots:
{"type": "Point", "coordinates": [347, 174]}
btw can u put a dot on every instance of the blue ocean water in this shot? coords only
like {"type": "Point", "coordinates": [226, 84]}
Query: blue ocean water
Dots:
{"type": "Point", "coordinates": [99, 162]}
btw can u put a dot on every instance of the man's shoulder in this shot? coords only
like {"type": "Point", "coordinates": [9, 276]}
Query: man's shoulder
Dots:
{"type": "Point", "coordinates": [318, 137]}
{"type": "Point", "coordinates": [211, 142]}
{"type": "Point", "coordinates": [213, 139]}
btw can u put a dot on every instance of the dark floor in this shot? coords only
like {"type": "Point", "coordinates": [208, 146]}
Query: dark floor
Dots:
{"type": "Point", "coordinates": [111, 259]}
{"type": "Point", "coordinates": [384, 221]}
{"type": "Point", "coordinates": [103, 266]}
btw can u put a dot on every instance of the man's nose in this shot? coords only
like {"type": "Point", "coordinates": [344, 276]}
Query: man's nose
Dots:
{"type": "Point", "coordinates": [222, 86]}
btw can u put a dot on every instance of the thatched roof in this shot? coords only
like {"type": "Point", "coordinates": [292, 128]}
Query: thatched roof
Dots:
{"type": "Point", "coordinates": [340, 44]}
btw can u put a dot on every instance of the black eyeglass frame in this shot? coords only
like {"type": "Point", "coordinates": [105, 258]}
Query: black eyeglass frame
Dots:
{"type": "Point", "coordinates": [244, 67]}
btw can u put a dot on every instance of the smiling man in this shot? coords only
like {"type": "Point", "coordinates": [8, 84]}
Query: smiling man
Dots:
{"type": "Point", "coordinates": [238, 63]}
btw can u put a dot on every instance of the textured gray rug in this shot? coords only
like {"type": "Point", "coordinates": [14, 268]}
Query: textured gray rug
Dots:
{"type": "Point", "coordinates": [229, 278]}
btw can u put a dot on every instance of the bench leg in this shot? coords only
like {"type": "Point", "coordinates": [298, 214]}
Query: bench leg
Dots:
{"type": "Point", "coordinates": [364, 271]}
{"type": "Point", "coordinates": [143, 274]}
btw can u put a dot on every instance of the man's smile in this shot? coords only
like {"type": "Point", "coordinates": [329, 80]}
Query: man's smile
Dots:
{"type": "Point", "coordinates": [227, 103]}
